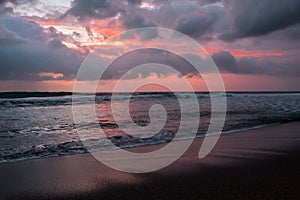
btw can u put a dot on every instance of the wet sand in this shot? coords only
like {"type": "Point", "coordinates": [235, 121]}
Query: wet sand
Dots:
{"type": "Point", "coordinates": [255, 164]}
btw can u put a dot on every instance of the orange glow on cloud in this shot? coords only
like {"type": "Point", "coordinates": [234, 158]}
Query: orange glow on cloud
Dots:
{"type": "Point", "coordinates": [256, 54]}
{"type": "Point", "coordinates": [101, 31]}
{"type": "Point", "coordinates": [244, 53]}
{"type": "Point", "coordinates": [44, 21]}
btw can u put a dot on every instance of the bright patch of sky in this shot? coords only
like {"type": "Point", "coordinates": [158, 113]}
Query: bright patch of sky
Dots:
{"type": "Point", "coordinates": [42, 8]}
{"type": "Point", "coordinates": [148, 6]}
{"type": "Point", "coordinates": [66, 3]}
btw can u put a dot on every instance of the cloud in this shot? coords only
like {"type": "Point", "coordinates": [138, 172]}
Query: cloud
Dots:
{"type": "Point", "coordinates": [25, 29]}
{"type": "Point", "coordinates": [28, 50]}
{"type": "Point", "coordinates": [135, 2]}
{"type": "Point", "coordinates": [24, 58]}
{"type": "Point", "coordinates": [289, 34]}
{"type": "Point", "coordinates": [194, 17]}
{"type": "Point", "coordinates": [5, 9]}
{"type": "Point", "coordinates": [85, 9]}
{"type": "Point", "coordinates": [225, 61]}
{"type": "Point", "coordinates": [9, 38]}
{"type": "Point", "coordinates": [127, 62]}
{"type": "Point", "coordinates": [195, 26]}
{"type": "Point", "coordinates": [260, 17]}
{"type": "Point", "coordinates": [136, 21]}
{"type": "Point", "coordinates": [282, 66]}
{"type": "Point", "coordinates": [200, 19]}
{"type": "Point", "coordinates": [209, 1]}
{"type": "Point", "coordinates": [205, 23]}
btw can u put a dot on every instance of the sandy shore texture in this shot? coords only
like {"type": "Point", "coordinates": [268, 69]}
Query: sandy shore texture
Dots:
{"type": "Point", "coordinates": [255, 164]}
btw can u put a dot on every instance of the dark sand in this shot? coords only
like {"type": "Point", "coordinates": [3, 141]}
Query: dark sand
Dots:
{"type": "Point", "coordinates": [255, 164]}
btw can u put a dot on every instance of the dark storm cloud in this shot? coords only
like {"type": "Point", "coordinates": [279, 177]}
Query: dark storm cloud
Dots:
{"type": "Point", "coordinates": [202, 22]}
{"type": "Point", "coordinates": [260, 17]}
{"type": "Point", "coordinates": [24, 58]}
{"type": "Point", "coordinates": [135, 2]}
{"type": "Point", "coordinates": [9, 38]}
{"type": "Point", "coordinates": [291, 33]}
{"type": "Point", "coordinates": [285, 41]}
{"type": "Point", "coordinates": [245, 18]}
{"type": "Point", "coordinates": [128, 61]}
{"type": "Point", "coordinates": [85, 9]}
{"type": "Point", "coordinates": [136, 21]}
{"type": "Point", "coordinates": [194, 17]}
{"type": "Point", "coordinates": [280, 66]}
{"type": "Point", "coordinates": [196, 25]}
{"type": "Point", "coordinates": [25, 29]}
{"type": "Point", "coordinates": [92, 9]}
{"type": "Point", "coordinates": [209, 1]}
{"type": "Point", "coordinates": [225, 61]}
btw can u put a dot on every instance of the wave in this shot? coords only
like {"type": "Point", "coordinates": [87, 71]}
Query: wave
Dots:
{"type": "Point", "coordinates": [79, 147]}
{"type": "Point", "coordinates": [94, 145]}
{"type": "Point", "coordinates": [24, 99]}
{"type": "Point", "coordinates": [57, 99]}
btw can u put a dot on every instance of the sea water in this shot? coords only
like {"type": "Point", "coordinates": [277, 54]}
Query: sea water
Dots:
{"type": "Point", "coordinates": [43, 126]}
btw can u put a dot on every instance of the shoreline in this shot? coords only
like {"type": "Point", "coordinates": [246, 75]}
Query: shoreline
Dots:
{"type": "Point", "coordinates": [255, 164]}
{"type": "Point", "coordinates": [241, 130]}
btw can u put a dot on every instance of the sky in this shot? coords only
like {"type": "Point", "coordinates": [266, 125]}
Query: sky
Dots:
{"type": "Point", "coordinates": [254, 43]}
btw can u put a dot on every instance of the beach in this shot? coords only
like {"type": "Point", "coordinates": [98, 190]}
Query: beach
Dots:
{"type": "Point", "coordinates": [255, 164]}
{"type": "Point", "coordinates": [149, 99]}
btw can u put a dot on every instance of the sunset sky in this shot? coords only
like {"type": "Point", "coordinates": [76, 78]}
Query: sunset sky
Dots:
{"type": "Point", "coordinates": [255, 43]}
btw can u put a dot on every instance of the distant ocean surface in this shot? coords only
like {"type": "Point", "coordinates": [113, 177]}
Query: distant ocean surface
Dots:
{"type": "Point", "coordinates": [35, 125]}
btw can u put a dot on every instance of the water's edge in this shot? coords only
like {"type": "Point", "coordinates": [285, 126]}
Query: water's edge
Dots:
{"type": "Point", "coordinates": [137, 145]}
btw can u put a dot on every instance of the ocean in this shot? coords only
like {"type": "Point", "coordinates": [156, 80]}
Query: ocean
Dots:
{"type": "Point", "coordinates": [36, 125]}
